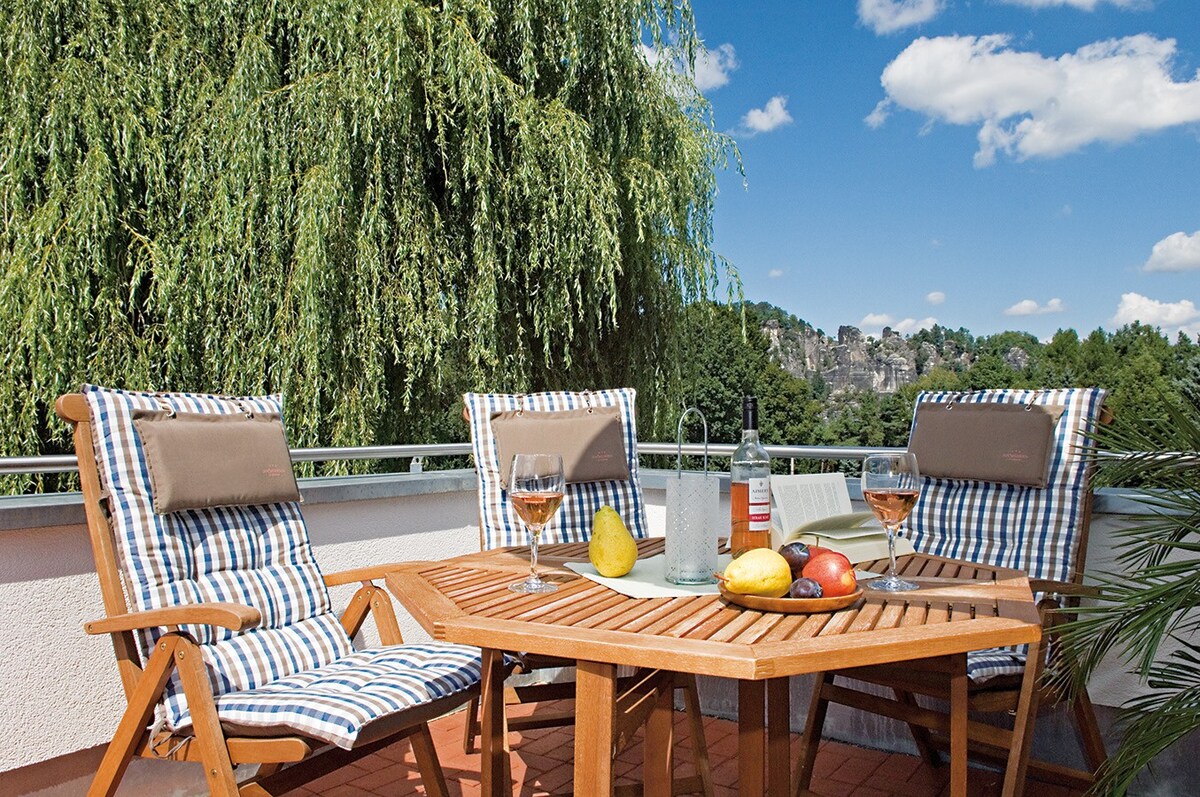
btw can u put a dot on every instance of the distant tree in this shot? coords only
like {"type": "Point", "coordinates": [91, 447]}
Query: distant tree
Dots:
{"type": "Point", "coordinates": [990, 371]}
{"type": "Point", "coordinates": [1145, 378]}
{"type": "Point", "coordinates": [1097, 360]}
{"type": "Point", "coordinates": [854, 418]}
{"type": "Point", "coordinates": [939, 336]}
{"type": "Point", "coordinates": [1061, 360]}
{"type": "Point", "coordinates": [725, 360]}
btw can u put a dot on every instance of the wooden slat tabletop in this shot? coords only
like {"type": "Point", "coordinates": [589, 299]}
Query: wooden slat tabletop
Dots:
{"type": "Point", "coordinates": [960, 607]}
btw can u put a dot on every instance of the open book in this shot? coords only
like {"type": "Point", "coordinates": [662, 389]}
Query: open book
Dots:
{"type": "Point", "coordinates": [815, 509]}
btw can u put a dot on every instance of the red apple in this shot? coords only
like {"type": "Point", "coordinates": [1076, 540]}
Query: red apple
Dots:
{"type": "Point", "coordinates": [833, 572]}
{"type": "Point", "coordinates": [816, 550]}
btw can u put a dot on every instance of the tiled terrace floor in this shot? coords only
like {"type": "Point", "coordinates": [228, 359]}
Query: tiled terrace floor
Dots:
{"type": "Point", "coordinates": [542, 762]}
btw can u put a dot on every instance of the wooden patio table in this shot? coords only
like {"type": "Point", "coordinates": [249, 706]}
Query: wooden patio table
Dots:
{"type": "Point", "coordinates": [960, 607]}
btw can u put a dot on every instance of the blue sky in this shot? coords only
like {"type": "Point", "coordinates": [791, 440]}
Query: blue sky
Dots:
{"type": "Point", "coordinates": [989, 164]}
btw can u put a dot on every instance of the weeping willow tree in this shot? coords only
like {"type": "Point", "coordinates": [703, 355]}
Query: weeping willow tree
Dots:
{"type": "Point", "coordinates": [366, 206]}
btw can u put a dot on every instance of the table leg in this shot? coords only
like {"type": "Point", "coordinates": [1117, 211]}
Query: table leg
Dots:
{"type": "Point", "coordinates": [494, 777]}
{"type": "Point", "coordinates": [779, 753]}
{"type": "Point", "coordinates": [659, 762]}
{"type": "Point", "coordinates": [595, 698]}
{"type": "Point", "coordinates": [764, 754]}
{"type": "Point", "coordinates": [958, 726]}
{"type": "Point", "coordinates": [752, 747]}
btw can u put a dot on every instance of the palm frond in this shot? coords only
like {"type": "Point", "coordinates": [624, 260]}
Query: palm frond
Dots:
{"type": "Point", "coordinates": [1156, 594]}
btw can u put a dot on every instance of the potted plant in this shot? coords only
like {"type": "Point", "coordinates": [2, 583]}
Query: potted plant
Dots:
{"type": "Point", "coordinates": [1156, 596]}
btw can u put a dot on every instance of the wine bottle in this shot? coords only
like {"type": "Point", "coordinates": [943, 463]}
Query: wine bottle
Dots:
{"type": "Point", "coordinates": [750, 487]}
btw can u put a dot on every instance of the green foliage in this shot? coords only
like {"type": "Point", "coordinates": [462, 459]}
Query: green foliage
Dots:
{"type": "Point", "coordinates": [1140, 367]}
{"type": "Point", "coordinates": [1155, 598]}
{"type": "Point", "coordinates": [726, 359]}
{"type": "Point", "coordinates": [366, 207]}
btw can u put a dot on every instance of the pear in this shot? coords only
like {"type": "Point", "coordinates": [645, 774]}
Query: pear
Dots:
{"type": "Point", "coordinates": [612, 550]}
{"type": "Point", "coordinates": [759, 571]}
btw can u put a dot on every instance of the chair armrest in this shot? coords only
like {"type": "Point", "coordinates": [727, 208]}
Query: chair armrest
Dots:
{"type": "Point", "coordinates": [234, 616]}
{"type": "Point", "coordinates": [1068, 588]}
{"type": "Point", "coordinates": [369, 573]}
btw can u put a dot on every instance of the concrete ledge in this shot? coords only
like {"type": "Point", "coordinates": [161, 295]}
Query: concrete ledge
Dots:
{"type": "Point", "coordinates": [66, 509]}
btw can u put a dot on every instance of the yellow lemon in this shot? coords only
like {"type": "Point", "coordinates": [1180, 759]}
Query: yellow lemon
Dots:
{"type": "Point", "coordinates": [759, 571]}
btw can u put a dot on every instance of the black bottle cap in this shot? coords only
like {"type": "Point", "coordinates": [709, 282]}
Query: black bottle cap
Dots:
{"type": "Point", "coordinates": [750, 412]}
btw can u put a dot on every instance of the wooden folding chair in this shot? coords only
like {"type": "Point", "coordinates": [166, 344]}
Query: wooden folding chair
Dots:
{"type": "Point", "coordinates": [499, 527]}
{"type": "Point", "coordinates": [1042, 531]}
{"type": "Point", "coordinates": [227, 647]}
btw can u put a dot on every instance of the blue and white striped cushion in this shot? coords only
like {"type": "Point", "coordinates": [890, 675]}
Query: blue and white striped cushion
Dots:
{"type": "Point", "coordinates": [572, 523]}
{"type": "Point", "coordinates": [1036, 530]}
{"type": "Point", "coordinates": [258, 556]}
{"type": "Point", "coordinates": [336, 701]}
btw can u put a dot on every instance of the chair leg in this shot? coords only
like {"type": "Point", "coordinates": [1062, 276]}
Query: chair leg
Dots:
{"type": "Point", "coordinates": [1022, 734]}
{"type": "Point", "coordinates": [812, 733]}
{"type": "Point", "coordinates": [920, 734]}
{"type": "Point", "coordinates": [471, 726]}
{"type": "Point", "coordinates": [691, 701]}
{"type": "Point", "coordinates": [210, 738]}
{"type": "Point", "coordinates": [432, 777]}
{"type": "Point", "coordinates": [1089, 730]}
{"type": "Point", "coordinates": [133, 722]}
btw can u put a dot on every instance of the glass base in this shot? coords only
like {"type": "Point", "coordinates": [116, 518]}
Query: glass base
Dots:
{"type": "Point", "coordinates": [533, 585]}
{"type": "Point", "coordinates": [892, 584]}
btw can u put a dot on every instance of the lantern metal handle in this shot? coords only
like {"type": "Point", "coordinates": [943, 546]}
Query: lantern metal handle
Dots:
{"type": "Point", "coordinates": [679, 439]}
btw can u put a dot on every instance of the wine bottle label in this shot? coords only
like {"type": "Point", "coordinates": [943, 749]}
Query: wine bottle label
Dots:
{"type": "Point", "coordinates": [760, 504]}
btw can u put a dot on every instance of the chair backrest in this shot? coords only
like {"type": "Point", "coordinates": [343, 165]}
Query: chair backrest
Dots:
{"type": "Point", "coordinates": [499, 524]}
{"type": "Point", "coordinates": [1041, 531]}
{"type": "Point", "coordinates": [259, 555]}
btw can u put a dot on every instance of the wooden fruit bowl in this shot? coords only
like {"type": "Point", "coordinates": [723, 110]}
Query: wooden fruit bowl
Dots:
{"type": "Point", "coordinates": [792, 605]}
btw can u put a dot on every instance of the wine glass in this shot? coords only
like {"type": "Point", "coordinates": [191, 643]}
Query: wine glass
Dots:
{"type": "Point", "coordinates": [536, 491]}
{"type": "Point", "coordinates": [890, 485]}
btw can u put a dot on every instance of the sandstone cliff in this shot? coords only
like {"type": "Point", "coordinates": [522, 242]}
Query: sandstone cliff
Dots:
{"type": "Point", "coordinates": [855, 360]}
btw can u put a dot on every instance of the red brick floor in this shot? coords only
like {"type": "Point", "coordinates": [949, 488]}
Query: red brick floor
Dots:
{"type": "Point", "coordinates": [542, 764]}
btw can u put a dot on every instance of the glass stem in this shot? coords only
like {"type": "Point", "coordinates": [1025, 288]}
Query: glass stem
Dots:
{"type": "Point", "coordinates": [536, 531]}
{"type": "Point", "coordinates": [891, 535]}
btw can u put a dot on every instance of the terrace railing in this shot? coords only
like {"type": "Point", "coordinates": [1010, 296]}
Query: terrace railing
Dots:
{"type": "Point", "coordinates": [65, 463]}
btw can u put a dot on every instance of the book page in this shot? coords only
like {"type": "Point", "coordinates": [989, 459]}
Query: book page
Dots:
{"type": "Point", "coordinates": [855, 524]}
{"type": "Point", "coordinates": [806, 497]}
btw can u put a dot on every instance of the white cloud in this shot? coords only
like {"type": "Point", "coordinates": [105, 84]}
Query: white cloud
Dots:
{"type": "Point", "coordinates": [909, 325]}
{"type": "Point", "coordinates": [1083, 5]}
{"type": "Point", "coordinates": [889, 16]}
{"type": "Point", "coordinates": [880, 114]}
{"type": "Point", "coordinates": [1181, 316]}
{"type": "Point", "coordinates": [1176, 252]}
{"type": "Point", "coordinates": [873, 324]}
{"type": "Point", "coordinates": [713, 67]}
{"type": "Point", "coordinates": [1029, 105]}
{"type": "Point", "coordinates": [763, 120]}
{"type": "Point", "coordinates": [1030, 307]}
{"type": "Point", "coordinates": [711, 70]}
{"type": "Point", "coordinates": [935, 297]}
{"type": "Point", "coordinates": [875, 320]}
{"type": "Point", "coordinates": [775, 273]}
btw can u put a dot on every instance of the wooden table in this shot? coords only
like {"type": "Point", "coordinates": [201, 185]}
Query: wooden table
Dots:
{"type": "Point", "coordinates": [961, 607]}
